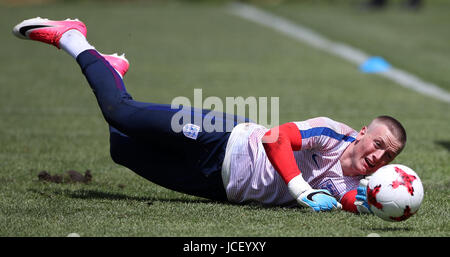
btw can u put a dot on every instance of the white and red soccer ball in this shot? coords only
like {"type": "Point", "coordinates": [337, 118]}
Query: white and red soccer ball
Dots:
{"type": "Point", "coordinates": [394, 192]}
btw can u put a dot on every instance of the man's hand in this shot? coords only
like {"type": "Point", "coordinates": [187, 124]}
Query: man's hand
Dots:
{"type": "Point", "coordinates": [361, 197]}
{"type": "Point", "coordinates": [318, 200]}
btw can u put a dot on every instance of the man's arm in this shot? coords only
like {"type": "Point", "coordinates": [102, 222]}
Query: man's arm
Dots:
{"type": "Point", "coordinates": [280, 144]}
{"type": "Point", "coordinates": [348, 201]}
{"type": "Point", "coordinates": [280, 149]}
{"type": "Point", "coordinates": [356, 200]}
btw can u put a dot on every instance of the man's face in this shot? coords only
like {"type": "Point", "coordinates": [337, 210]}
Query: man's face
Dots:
{"type": "Point", "coordinates": [373, 148]}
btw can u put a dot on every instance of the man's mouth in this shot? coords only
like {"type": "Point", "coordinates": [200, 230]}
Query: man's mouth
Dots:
{"type": "Point", "coordinates": [369, 163]}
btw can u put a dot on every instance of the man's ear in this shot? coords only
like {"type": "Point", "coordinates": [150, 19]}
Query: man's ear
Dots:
{"type": "Point", "coordinates": [361, 133]}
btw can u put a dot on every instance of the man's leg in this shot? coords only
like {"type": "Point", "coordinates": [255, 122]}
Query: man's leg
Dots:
{"type": "Point", "coordinates": [143, 139]}
{"type": "Point", "coordinates": [165, 166]}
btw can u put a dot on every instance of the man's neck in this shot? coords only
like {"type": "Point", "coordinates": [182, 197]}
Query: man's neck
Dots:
{"type": "Point", "coordinates": [345, 161]}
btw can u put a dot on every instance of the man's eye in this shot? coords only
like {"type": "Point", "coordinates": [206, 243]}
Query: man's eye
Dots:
{"type": "Point", "coordinates": [391, 155]}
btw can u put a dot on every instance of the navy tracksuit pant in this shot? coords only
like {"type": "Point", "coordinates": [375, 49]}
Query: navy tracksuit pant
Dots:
{"type": "Point", "coordinates": [142, 139]}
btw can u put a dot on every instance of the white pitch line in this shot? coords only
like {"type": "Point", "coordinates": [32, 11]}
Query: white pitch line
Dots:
{"type": "Point", "coordinates": [351, 54]}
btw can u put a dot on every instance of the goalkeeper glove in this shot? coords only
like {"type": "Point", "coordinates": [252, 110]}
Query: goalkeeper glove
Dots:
{"type": "Point", "coordinates": [361, 197]}
{"type": "Point", "coordinates": [317, 200]}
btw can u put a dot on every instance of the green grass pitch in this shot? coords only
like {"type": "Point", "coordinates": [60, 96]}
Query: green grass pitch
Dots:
{"type": "Point", "coordinates": [50, 119]}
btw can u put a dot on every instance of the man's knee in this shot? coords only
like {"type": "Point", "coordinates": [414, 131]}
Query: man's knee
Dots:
{"type": "Point", "coordinates": [117, 145]}
{"type": "Point", "coordinates": [114, 154]}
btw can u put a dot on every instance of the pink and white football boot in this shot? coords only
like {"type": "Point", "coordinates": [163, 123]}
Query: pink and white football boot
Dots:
{"type": "Point", "coordinates": [47, 31]}
{"type": "Point", "coordinates": [119, 63]}
{"type": "Point", "coordinates": [50, 32]}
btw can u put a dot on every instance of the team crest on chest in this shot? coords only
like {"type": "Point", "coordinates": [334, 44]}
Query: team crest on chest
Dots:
{"type": "Point", "coordinates": [191, 131]}
{"type": "Point", "coordinates": [329, 185]}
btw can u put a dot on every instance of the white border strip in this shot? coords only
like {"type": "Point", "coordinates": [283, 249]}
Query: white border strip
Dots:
{"type": "Point", "coordinates": [353, 55]}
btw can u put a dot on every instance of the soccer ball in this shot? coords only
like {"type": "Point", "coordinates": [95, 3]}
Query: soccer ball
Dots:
{"type": "Point", "coordinates": [394, 192]}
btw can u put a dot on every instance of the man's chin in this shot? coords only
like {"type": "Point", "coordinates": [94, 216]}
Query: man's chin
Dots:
{"type": "Point", "coordinates": [362, 171]}
{"type": "Point", "coordinates": [355, 172]}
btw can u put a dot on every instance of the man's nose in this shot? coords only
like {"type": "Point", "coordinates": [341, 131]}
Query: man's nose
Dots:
{"type": "Point", "coordinates": [378, 155]}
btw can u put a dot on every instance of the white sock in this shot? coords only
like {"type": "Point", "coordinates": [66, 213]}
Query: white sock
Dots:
{"type": "Point", "coordinates": [74, 43]}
